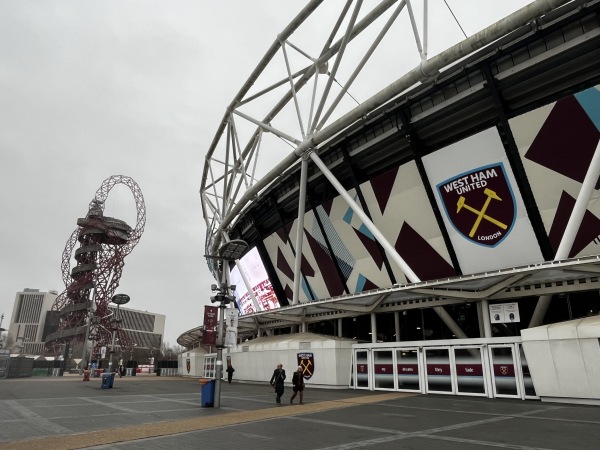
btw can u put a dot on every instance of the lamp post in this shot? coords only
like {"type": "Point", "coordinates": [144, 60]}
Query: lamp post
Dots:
{"type": "Point", "coordinates": [119, 299]}
{"type": "Point", "coordinates": [230, 251]}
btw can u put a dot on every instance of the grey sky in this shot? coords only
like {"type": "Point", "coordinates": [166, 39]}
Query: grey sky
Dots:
{"type": "Point", "coordinates": [91, 89]}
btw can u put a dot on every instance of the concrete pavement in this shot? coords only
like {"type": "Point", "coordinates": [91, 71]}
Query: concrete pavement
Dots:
{"type": "Point", "coordinates": [156, 412]}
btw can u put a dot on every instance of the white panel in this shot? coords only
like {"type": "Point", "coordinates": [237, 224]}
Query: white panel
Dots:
{"type": "Point", "coordinates": [570, 368]}
{"type": "Point", "coordinates": [541, 366]}
{"type": "Point", "coordinates": [518, 244]}
{"type": "Point", "coordinates": [590, 348]}
{"type": "Point", "coordinates": [589, 327]}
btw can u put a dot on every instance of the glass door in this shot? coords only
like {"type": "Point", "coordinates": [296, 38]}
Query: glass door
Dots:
{"type": "Point", "coordinates": [469, 369]}
{"type": "Point", "coordinates": [408, 375]}
{"type": "Point", "coordinates": [438, 375]}
{"type": "Point", "coordinates": [528, 388]}
{"type": "Point", "coordinates": [504, 371]}
{"type": "Point", "coordinates": [383, 369]}
{"type": "Point", "coordinates": [361, 369]}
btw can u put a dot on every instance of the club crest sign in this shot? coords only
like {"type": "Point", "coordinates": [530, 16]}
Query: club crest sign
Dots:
{"type": "Point", "coordinates": [480, 204]}
{"type": "Point", "coordinates": [307, 362]}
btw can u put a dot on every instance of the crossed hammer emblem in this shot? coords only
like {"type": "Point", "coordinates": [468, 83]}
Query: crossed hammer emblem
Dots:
{"type": "Point", "coordinates": [491, 195]}
{"type": "Point", "coordinates": [306, 363]}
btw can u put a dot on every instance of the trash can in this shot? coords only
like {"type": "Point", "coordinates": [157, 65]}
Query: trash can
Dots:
{"type": "Point", "coordinates": [158, 372]}
{"type": "Point", "coordinates": [106, 381]}
{"type": "Point", "coordinates": [111, 380]}
{"type": "Point", "coordinates": [207, 392]}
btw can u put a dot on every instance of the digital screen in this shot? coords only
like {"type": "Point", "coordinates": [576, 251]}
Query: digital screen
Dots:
{"type": "Point", "coordinates": [256, 274]}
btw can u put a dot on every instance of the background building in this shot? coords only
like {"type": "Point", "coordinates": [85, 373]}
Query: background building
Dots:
{"type": "Point", "coordinates": [32, 321]}
{"type": "Point", "coordinates": [28, 321]}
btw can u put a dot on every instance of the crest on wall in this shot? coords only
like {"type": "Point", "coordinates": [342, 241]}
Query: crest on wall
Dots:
{"type": "Point", "coordinates": [480, 204]}
{"type": "Point", "coordinates": [307, 362]}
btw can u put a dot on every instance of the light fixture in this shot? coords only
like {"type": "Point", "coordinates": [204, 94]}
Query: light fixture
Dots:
{"type": "Point", "coordinates": [233, 250]}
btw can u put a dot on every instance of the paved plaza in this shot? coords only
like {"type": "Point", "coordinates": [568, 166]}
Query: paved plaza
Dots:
{"type": "Point", "coordinates": [148, 412]}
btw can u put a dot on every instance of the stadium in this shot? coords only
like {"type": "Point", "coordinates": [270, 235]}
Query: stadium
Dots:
{"type": "Point", "coordinates": [429, 228]}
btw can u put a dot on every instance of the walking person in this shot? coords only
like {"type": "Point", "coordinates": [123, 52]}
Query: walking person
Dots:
{"type": "Point", "coordinates": [229, 371]}
{"type": "Point", "coordinates": [298, 384]}
{"type": "Point", "coordinates": [277, 381]}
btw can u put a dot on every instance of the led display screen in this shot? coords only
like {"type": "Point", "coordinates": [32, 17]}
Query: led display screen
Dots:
{"type": "Point", "coordinates": [256, 275]}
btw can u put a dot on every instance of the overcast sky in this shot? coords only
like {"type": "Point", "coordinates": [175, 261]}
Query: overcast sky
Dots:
{"type": "Point", "coordinates": [90, 89]}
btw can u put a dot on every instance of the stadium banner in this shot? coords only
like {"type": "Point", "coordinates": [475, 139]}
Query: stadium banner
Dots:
{"type": "Point", "coordinates": [211, 317]}
{"type": "Point", "coordinates": [481, 205]}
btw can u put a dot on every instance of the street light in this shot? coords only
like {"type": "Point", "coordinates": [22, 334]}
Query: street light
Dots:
{"type": "Point", "coordinates": [230, 251]}
{"type": "Point", "coordinates": [119, 299]}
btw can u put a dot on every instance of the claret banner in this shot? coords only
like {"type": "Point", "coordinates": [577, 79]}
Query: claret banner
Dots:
{"type": "Point", "coordinates": [480, 204]}
{"type": "Point", "coordinates": [211, 317]}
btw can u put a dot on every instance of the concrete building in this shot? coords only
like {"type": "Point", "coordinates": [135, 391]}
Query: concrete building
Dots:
{"type": "Point", "coordinates": [32, 321]}
{"type": "Point", "coordinates": [28, 321]}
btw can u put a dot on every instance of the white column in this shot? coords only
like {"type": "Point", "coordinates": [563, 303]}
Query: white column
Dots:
{"type": "Point", "coordinates": [300, 229]}
{"type": "Point", "coordinates": [397, 325]}
{"type": "Point", "coordinates": [373, 328]}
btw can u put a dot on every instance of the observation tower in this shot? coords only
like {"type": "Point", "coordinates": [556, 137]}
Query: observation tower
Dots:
{"type": "Point", "coordinates": [82, 309]}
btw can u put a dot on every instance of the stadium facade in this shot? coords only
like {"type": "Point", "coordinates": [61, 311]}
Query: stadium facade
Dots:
{"type": "Point", "coordinates": [436, 223]}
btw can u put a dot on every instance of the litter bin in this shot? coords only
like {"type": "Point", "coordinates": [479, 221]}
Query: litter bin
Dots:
{"type": "Point", "coordinates": [207, 392]}
{"type": "Point", "coordinates": [107, 380]}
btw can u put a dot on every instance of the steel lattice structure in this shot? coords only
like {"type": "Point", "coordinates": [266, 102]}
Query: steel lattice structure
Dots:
{"type": "Point", "coordinates": [104, 242]}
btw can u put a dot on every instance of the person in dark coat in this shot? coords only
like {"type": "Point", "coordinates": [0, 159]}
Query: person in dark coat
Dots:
{"type": "Point", "coordinates": [298, 384]}
{"type": "Point", "coordinates": [277, 381]}
{"type": "Point", "coordinates": [229, 371]}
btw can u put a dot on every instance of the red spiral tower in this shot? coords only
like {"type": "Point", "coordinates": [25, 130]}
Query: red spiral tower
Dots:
{"type": "Point", "coordinates": [104, 242]}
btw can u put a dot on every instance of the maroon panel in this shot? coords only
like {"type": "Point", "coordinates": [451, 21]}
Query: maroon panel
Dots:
{"type": "Point", "coordinates": [283, 265]}
{"type": "Point", "coordinates": [382, 187]}
{"type": "Point", "coordinates": [326, 266]}
{"type": "Point", "coordinates": [420, 256]}
{"type": "Point", "coordinates": [384, 369]}
{"type": "Point", "coordinates": [362, 368]}
{"type": "Point", "coordinates": [371, 246]}
{"type": "Point", "coordinates": [283, 234]}
{"type": "Point", "coordinates": [369, 285]}
{"type": "Point", "coordinates": [306, 268]}
{"type": "Point", "coordinates": [408, 369]}
{"type": "Point", "coordinates": [438, 369]}
{"type": "Point", "coordinates": [504, 370]}
{"type": "Point", "coordinates": [472, 370]}
{"type": "Point", "coordinates": [289, 292]}
{"type": "Point", "coordinates": [587, 232]}
{"type": "Point", "coordinates": [327, 207]}
{"type": "Point", "coordinates": [567, 140]}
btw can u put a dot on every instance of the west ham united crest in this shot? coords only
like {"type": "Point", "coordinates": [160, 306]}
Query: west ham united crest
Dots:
{"type": "Point", "coordinates": [307, 362]}
{"type": "Point", "coordinates": [480, 204]}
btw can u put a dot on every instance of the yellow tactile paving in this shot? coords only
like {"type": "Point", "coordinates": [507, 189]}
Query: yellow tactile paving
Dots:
{"type": "Point", "coordinates": [132, 433]}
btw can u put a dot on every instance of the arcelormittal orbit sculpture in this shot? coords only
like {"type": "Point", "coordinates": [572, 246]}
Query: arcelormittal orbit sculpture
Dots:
{"type": "Point", "coordinates": [104, 242]}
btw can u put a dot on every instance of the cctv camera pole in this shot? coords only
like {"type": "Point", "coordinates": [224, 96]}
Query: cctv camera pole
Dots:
{"type": "Point", "coordinates": [222, 296]}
